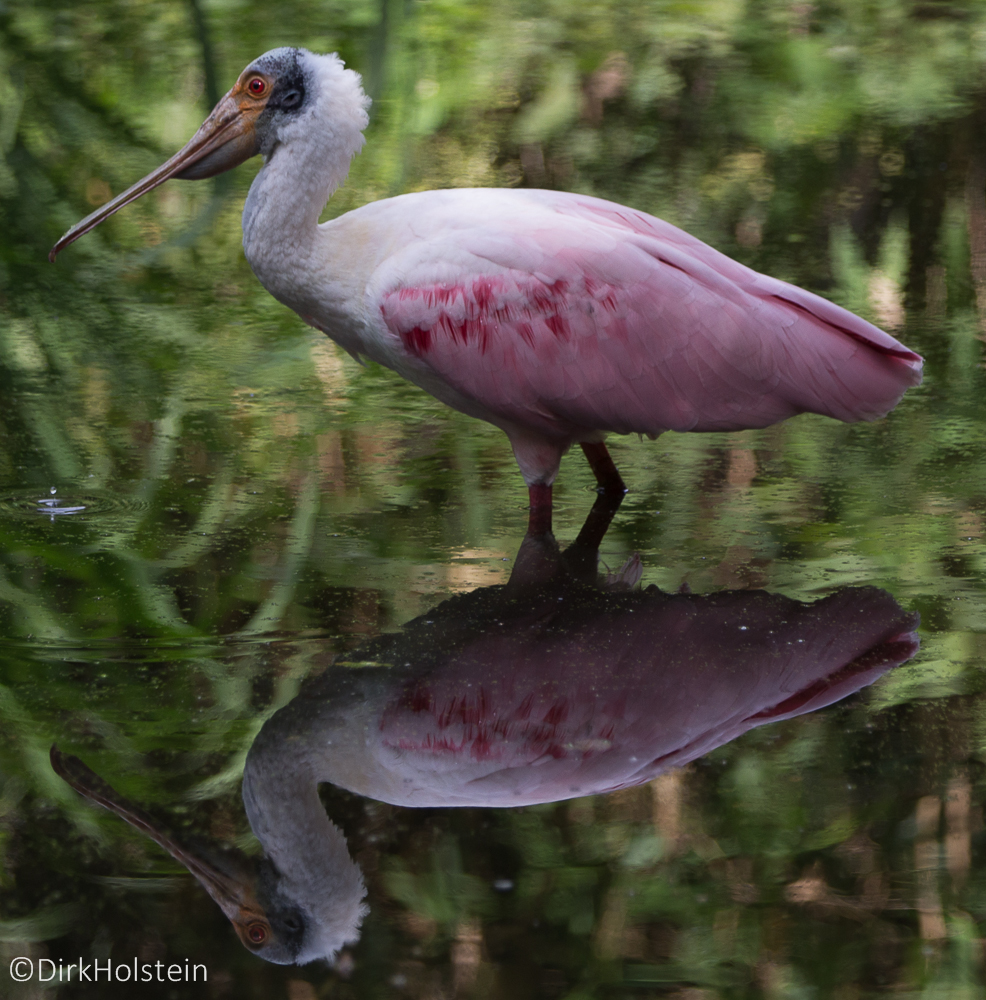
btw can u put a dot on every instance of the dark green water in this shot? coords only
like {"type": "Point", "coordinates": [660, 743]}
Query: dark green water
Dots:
{"type": "Point", "coordinates": [202, 503]}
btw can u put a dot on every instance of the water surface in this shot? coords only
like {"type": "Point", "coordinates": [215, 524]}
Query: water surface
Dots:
{"type": "Point", "coordinates": [203, 504]}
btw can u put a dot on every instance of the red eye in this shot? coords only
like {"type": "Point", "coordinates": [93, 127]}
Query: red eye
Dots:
{"type": "Point", "coordinates": [257, 933]}
{"type": "Point", "coordinates": [257, 87]}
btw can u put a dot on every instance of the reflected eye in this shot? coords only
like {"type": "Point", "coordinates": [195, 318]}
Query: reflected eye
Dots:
{"type": "Point", "coordinates": [257, 933]}
{"type": "Point", "coordinates": [257, 87]}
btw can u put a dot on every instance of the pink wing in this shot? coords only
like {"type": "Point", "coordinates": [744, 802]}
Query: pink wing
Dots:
{"type": "Point", "coordinates": [578, 314]}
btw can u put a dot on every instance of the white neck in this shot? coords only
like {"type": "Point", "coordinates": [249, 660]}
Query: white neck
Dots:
{"type": "Point", "coordinates": [288, 818]}
{"type": "Point", "coordinates": [311, 159]}
{"type": "Point", "coordinates": [280, 793]}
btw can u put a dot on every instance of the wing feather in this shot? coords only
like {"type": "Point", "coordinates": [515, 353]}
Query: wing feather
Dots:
{"type": "Point", "coordinates": [578, 315]}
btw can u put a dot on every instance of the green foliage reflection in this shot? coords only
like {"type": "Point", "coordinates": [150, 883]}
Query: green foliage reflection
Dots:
{"type": "Point", "coordinates": [246, 484]}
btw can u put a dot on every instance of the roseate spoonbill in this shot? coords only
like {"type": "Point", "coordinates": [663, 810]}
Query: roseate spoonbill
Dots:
{"type": "Point", "coordinates": [557, 317]}
{"type": "Point", "coordinates": [507, 696]}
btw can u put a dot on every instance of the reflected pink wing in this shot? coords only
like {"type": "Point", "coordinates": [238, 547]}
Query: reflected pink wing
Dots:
{"type": "Point", "coordinates": [554, 707]}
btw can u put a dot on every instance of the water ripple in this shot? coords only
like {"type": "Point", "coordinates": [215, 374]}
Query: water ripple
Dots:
{"type": "Point", "coordinates": [32, 503]}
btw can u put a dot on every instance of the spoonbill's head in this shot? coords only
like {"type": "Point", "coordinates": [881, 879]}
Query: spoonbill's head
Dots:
{"type": "Point", "coordinates": [285, 95]}
{"type": "Point", "coordinates": [252, 893]}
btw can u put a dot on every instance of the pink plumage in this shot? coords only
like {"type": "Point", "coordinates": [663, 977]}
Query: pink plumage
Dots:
{"type": "Point", "coordinates": [558, 317]}
{"type": "Point", "coordinates": [527, 694]}
{"type": "Point", "coordinates": [581, 317]}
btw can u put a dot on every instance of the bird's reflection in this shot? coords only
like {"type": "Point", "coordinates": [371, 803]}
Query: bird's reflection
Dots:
{"type": "Point", "coordinates": [554, 685]}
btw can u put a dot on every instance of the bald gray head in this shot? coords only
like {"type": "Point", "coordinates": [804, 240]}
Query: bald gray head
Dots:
{"type": "Point", "coordinates": [284, 71]}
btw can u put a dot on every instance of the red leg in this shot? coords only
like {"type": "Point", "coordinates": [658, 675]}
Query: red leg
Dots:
{"type": "Point", "coordinates": [539, 522]}
{"type": "Point", "coordinates": [607, 475]}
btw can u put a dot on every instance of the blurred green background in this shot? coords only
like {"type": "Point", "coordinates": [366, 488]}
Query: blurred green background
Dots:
{"type": "Point", "coordinates": [254, 500]}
